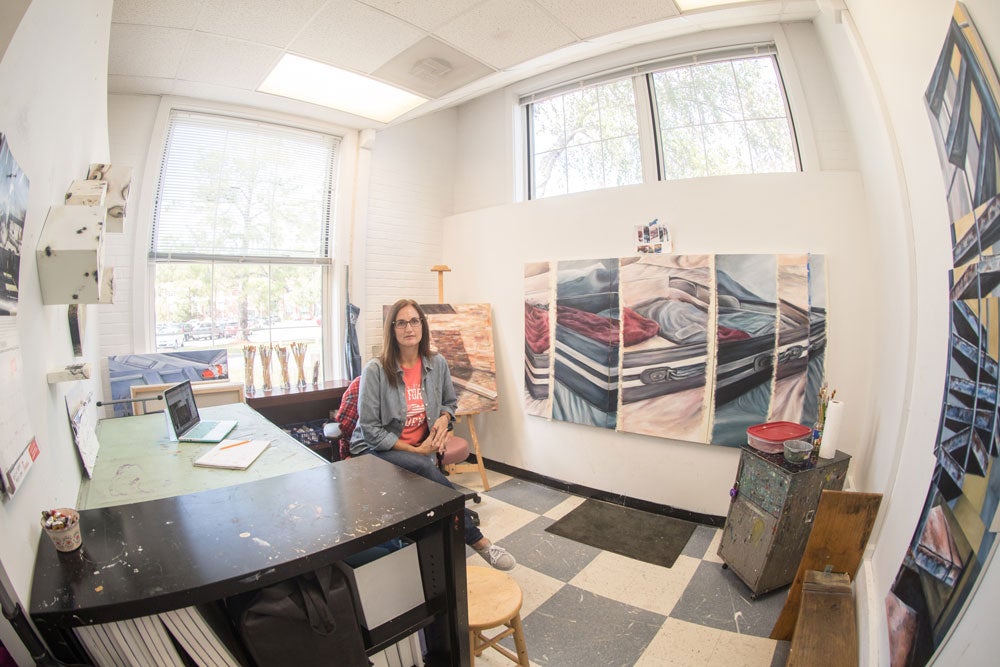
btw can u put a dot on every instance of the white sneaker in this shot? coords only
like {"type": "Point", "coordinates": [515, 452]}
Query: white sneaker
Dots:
{"type": "Point", "coordinates": [497, 557]}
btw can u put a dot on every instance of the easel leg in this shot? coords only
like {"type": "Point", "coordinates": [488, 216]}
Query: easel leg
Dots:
{"type": "Point", "coordinates": [475, 446]}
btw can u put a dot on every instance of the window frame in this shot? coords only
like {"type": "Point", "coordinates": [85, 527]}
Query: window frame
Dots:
{"type": "Point", "coordinates": [642, 70]}
{"type": "Point", "coordinates": [334, 279]}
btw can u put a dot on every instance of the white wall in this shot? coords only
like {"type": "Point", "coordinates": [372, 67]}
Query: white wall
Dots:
{"type": "Point", "coordinates": [53, 111]}
{"type": "Point", "coordinates": [821, 211]}
{"type": "Point", "coordinates": [410, 192]}
{"type": "Point", "coordinates": [130, 127]}
{"type": "Point", "coordinates": [818, 212]}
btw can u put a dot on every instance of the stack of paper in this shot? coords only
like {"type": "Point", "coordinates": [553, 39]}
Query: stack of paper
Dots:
{"type": "Point", "coordinates": [233, 454]}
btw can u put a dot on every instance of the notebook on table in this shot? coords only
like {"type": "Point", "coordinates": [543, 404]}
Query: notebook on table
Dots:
{"type": "Point", "coordinates": [233, 454]}
{"type": "Point", "coordinates": [183, 418]}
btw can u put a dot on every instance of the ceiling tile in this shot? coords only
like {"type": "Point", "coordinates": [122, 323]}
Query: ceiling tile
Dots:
{"type": "Point", "coordinates": [426, 14]}
{"type": "Point", "coordinates": [141, 50]}
{"type": "Point", "coordinates": [274, 23]}
{"type": "Point", "coordinates": [166, 13]}
{"type": "Point", "coordinates": [354, 36]}
{"type": "Point", "coordinates": [226, 62]}
{"type": "Point", "coordinates": [502, 33]}
{"type": "Point", "coordinates": [590, 19]}
{"type": "Point", "coordinates": [405, 69]}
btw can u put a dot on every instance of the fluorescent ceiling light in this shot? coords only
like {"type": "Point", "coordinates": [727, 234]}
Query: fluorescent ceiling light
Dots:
{"type": "Point", "coordinates": [688, 5]}
{"type": "Point", "coordinates": [310, 81]}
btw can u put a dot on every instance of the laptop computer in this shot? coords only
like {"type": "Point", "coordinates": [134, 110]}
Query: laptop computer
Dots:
{"type": "Point", "coordinates": [182, 416]}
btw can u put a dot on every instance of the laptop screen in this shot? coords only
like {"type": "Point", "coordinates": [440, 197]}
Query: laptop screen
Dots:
{"type": "Point", "coordinates": [181, 407]}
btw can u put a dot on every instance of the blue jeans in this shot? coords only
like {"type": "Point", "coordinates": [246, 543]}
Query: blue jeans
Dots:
{"type": "Point", "coordinates": [426, 467]}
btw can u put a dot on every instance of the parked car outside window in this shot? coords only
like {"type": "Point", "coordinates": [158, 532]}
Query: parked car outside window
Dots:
{"type": "Point", "coordinates": [169, 336]}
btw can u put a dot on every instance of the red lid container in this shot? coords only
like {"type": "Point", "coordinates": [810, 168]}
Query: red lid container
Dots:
{"type": "Point", "coordinates": [770, 437]}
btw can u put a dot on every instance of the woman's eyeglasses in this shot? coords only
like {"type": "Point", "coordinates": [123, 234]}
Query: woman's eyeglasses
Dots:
{"type": "Point", "coordinates": [401, 324]}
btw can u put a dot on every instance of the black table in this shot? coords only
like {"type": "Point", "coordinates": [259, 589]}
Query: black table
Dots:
{"type": "Point", "coordinates": [157, 555]}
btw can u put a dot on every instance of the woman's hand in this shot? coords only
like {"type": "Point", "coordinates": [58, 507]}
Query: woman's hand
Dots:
{"type": "Point", "coordinates": [439, 432]}
{"type": "Point", "coordinates": [425, 448]}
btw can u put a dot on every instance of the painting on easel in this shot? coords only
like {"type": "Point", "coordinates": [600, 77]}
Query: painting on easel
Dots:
{"type": "Point", "coordinates": [463, 334]}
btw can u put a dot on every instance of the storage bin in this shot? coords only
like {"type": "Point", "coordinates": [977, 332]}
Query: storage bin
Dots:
{"type": "Point", "coordinates": [770, 437]}
{"type": "Point", "coordinates": [386, 587]}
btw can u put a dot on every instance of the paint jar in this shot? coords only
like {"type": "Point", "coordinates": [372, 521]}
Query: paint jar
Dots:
{"type": "Point", "coordinates": [65, 535]}
{"type": "Point", "coordinates": [797, 451]}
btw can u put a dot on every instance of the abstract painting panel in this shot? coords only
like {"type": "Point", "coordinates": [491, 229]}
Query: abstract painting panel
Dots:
{"type": "Point", "coordinates": [13, 210]}
{"type": "Point", "coordinates": [587, 343]}
{"type": "Point", "coordinates": [817, 339]}
{"type": "Point", "coordinates": [538, 338]}
{"type": "Point", "coordinates": [792, 359]}
{"type": "Point", "coordinates": [666, 317]}
{"type": "Point", "coordinates": [747, 335]}
{"type": "Point", "coordinates": [958, 526]}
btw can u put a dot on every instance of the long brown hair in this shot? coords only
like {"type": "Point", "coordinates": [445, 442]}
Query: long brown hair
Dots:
{"type": "Point", "coordinates": [390, 346]}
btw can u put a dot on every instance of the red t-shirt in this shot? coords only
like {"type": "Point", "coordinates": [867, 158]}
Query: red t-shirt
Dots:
{"type": "Point", "coordinates": [415, 427]}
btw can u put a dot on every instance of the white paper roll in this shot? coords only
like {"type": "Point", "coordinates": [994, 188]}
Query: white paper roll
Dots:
{"type": "Point", "coordinates": [831, 430]}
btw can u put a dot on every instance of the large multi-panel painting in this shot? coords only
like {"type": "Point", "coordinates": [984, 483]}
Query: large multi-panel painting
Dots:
{"type": "Point", "coordinates": [955, 534]}
{"type": "Point", "coordinates": [689, 347]}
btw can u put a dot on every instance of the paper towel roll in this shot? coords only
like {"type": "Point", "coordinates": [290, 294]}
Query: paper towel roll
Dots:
{"type": "Point", "coordinates": [831, 430]}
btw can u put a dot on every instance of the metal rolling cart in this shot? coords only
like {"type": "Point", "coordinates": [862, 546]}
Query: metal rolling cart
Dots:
{"type": "Point", "coordinates": [771, 515]}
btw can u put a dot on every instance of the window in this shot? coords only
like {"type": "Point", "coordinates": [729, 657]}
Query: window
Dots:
{"type": "Point", "coordinates": [712, 114]}
{"type": "Point", "coordinates": [585, 140]}
{"type": "Point", "coordinates": [240, 247]}
{"type": "Point", "coordinates": [721, 118]}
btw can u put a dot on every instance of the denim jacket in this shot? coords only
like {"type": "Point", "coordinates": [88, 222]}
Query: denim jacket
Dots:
{"type": "Point", "coordinates": [382, 407]}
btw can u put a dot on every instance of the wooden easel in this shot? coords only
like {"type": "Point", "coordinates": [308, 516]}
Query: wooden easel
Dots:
{"type": "Point", "coordinates": [441, 269]}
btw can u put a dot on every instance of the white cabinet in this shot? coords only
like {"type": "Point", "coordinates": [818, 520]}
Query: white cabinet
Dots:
{"type": "Point", "coordinates": [70, 255]}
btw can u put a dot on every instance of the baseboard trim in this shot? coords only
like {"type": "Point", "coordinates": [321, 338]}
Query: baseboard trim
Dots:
{"type": "Point", "coordinates": [606, 496]}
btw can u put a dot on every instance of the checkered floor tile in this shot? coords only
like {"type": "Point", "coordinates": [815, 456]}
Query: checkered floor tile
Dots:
{"type": "Point", "coordinates": [584, 606]}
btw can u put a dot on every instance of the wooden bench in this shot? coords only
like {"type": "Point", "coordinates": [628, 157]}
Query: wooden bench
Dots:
{"type": "Point", "coordinates": [825, 631]}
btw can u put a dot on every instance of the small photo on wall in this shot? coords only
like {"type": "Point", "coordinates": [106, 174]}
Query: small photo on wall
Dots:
{"type": "Point", "coordinates": [653, 238]}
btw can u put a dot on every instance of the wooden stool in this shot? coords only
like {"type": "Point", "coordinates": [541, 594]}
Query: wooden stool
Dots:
{"type": "Point", "coordinates": [494, 600]}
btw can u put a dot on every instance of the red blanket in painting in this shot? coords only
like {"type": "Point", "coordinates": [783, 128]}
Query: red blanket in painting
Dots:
{"type": "Point", "coordinates": [605, 329]}
{"type": "Point", "coordinates": [536, 328]}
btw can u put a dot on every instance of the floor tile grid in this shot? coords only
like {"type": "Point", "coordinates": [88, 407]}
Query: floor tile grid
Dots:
{"type": "Point", "coordinates": [583, 606]}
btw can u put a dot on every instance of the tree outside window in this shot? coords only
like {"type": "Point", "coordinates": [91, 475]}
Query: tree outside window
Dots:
{"type": "Point", "coordinates": [713, 117]}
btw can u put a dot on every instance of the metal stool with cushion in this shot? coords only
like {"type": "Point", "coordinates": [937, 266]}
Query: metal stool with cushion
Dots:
{"type": "Point", "coordinates": [494, 600]}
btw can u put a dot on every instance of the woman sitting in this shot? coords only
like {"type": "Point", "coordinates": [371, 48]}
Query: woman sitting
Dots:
{"type": "Point", "coordinates": [406, 407]}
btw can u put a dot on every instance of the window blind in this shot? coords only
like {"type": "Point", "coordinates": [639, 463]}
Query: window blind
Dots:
{"type": "Point", "coordinates": [638, 69]}
{"type": "Point", "coordinates": [232, 189]}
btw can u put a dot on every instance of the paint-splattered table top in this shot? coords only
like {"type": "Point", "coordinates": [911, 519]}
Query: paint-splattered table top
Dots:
{"type": "Point", "coordinates": [147, 557]}
{"type": "Point", "coordinates": [138, 462]}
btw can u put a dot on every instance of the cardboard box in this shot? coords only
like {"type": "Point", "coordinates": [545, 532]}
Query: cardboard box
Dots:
{"type": "Point", "coordinates": [387, 587]}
